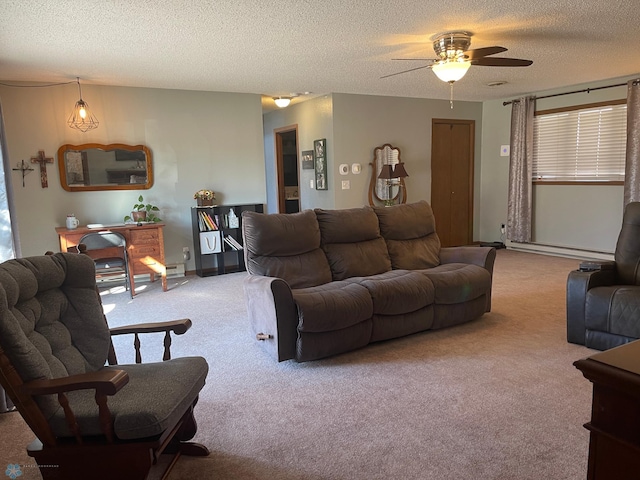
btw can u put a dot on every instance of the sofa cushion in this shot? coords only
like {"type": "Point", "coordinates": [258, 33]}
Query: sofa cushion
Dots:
{"type": "Point", "coordinates": [398, 291]}
{"type": "Point", "coordinates": [332, 306]}
{"type": "Point", "coordinates": [352, 243]}
{"type": "Point", "coordinates": [410, 232]}
{"type": "Point", "coordinates": [458, 282]}
{"type": "Point", "coordinates": [286, 246]}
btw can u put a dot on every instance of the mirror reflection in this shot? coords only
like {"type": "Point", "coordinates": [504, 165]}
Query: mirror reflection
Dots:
{"type": "Point", "coordinates": [105, 167]}
{"type": "Point", "coordinates": [385, 187]}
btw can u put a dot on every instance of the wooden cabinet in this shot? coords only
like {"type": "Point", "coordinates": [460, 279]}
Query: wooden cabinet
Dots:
{"type": "Point", "coordinates": [213, 254]}
{"type": "Point", "coordinates": [145, 247]}
{"type": "Point", "coordinates": [614, 447]}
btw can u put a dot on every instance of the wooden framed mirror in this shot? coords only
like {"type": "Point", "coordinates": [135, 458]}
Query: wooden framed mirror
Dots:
{"type": "Point", "coordinates": [93, 167]}
{"type": "Point", "coordinates": [391, 189]}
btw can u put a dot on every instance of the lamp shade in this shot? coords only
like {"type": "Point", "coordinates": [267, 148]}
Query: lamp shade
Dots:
{"type": "Point", "coordinates": [399, 171]}
{"type": "Point", "coordinates": [282, 101]}
{"type": "Point", "coordinates": [451, 70]}
{"type": "Point", "coordinates": [81, 118]}
{"type": "Point", "coordinates": [386, 172]}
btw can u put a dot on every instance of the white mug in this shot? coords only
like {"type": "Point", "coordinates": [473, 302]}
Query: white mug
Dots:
{"type": "Point", "coordinates": [72, 222]}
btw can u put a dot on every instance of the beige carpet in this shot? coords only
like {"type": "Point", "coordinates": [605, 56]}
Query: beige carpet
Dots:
{"type": "Point", "coordinates": [498, 398]}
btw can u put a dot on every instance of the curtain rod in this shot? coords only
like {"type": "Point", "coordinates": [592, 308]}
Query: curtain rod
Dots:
{"type": "Point", "coordinates": [587, 90]}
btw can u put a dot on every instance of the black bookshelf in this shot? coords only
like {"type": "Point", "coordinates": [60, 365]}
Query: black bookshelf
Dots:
{"type": "Point", "coordinates": [212, 253]}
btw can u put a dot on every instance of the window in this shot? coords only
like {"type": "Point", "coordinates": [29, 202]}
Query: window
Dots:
{"type": "Point", "coordinates": [581, 144]}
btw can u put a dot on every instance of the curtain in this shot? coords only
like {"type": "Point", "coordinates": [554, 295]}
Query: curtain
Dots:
{"type": "Point", "coordinates": [8, 239]}
{"type": "Point", "coordinates": [520, 166]}
{"type": "Point", "coordinates": [632, 166]}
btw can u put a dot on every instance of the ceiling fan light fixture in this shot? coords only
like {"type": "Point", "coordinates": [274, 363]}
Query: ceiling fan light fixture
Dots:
{"type": "Point", "coordinates": [451, 71]}
{"type": "Point", "coordinates": [282, 102]}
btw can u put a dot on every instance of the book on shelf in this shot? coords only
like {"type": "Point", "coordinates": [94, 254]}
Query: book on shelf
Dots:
{"type": "Point", "coordinates": [206, 222]}
{"type": "Point", "coordinates": [232, 242]}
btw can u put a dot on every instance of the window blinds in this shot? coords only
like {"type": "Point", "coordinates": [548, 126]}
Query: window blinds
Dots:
{"type": "Point", "coordinates": [580, 145]}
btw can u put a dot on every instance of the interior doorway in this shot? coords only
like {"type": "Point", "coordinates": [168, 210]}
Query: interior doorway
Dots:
{"type": "Point", "coordinates": [452, 143]}
{"type": "Point", "coordinates": [287, 167]}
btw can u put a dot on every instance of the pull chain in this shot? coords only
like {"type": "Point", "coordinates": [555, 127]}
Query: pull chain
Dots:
{"type": "Point", "coordinates": [451, 95]}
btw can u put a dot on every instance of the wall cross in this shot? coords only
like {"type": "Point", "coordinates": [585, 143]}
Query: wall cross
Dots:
{"type": "Point", "coordinates": [42, 160]}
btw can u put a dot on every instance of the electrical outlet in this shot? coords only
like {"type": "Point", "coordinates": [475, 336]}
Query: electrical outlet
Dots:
{"type": "Point", "coordinates": [186, 254]}
{"type": "Point", "coordinates": [503, 228]}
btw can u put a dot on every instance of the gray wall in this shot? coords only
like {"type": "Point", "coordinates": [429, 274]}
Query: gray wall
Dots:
{"type": "Point", "coordinates": [220, 141]}
{"type": "Point", "coordinates": [314, 119]}
{"type": "Point", "coordinates": [574, 216]}
{"type": "Point", "coordinates": [358, 124]}
{"type": "Point", "coordinates": [197, 139]}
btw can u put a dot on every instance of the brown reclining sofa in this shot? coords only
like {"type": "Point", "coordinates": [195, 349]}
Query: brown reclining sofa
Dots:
{"type": "Point", "coordinates": [323, 282]}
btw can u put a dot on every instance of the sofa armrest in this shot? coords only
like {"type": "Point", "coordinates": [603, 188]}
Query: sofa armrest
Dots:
{"type": "Point", "coordinates": [578, 284]}
{"type": "Point", "coordinates": [481, 256]}
{"type": "Point", "coordinates": [273, 315]}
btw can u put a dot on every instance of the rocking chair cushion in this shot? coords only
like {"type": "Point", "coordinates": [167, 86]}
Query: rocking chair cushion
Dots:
{"type": "Point", "coordinates": [52, 325]}
{"type": "Point", "coordinates": [155, 398]}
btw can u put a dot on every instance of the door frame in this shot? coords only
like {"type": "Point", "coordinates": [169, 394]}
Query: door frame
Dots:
{"type": "Point", "coordinates": [280, 190]}
{"type": "Point", "coordinates": [471, 179]}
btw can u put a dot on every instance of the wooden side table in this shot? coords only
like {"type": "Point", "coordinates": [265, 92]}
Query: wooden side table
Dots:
{"type": "Point", "coordinates": [145, 247]}
{"type": "Point", "coordinates": [614, 447]}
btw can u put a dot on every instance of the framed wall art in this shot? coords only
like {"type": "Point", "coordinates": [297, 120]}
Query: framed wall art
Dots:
{"type": "Point", "coordinates": [319, 152]}
{"type": "Point", "coordinates": [307, 160]}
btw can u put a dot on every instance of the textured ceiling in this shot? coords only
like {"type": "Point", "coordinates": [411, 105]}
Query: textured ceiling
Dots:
{"type": "Point", "coordinates": [275, 47]}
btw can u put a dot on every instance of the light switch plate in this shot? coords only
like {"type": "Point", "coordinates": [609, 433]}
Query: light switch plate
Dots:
{"type": "Point", "coordinates": [504, 150]}
{"type": "Point", "coordinates": [344, 169]}
{"type": "Point", "coordinates": [356, 168]}
{"type": "Point", "coordinates": [311, 183]}
{"type": "Point", "coordinates": [346, 185]}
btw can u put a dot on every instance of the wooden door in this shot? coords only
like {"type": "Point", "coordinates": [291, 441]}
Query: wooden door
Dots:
{"type": "Point", "coordinates": [287, 169]}
{"type": "Point", "coordinates": [452, 180]}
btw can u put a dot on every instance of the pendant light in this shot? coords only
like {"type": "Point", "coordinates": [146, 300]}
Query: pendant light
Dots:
{"type": "Point", "coordinates": [81, 118]}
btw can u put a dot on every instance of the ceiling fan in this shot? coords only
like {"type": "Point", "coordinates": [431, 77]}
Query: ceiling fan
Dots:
{"type": "Point", "coordinates": [454, 58]}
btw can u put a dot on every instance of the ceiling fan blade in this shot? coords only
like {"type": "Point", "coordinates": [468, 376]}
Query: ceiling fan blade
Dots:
{"type": "Point", "coordinates": [420, 59]}
{"type": "Point", "coordinates": [483, 52]}
{"type": "Point", "coordinates": [501, 62]}
{"type": "Point", "coordinates": [406, 71]}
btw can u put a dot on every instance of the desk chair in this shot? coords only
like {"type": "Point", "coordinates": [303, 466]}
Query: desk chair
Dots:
{"type": "Point", "coordinates": [109, 252]}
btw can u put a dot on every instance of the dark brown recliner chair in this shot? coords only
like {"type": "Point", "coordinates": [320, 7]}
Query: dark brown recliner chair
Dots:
{"type": "Point", "coordinates": [603, 297]}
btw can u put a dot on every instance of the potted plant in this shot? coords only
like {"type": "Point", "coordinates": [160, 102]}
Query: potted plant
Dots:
{"type": "Point", "coordinates": [205, 197]}
{"type": "Point", "coordinates": [142, 212]}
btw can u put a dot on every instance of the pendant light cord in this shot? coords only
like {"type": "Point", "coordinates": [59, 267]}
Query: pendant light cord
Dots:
{"type": "Point", "coordinates": [36, 86]}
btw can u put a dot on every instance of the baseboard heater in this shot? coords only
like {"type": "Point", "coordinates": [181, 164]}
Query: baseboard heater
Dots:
{"type": "Point", "coordinates": [559, 251]}
{"type": "Point", "coordinates": [175, 270]}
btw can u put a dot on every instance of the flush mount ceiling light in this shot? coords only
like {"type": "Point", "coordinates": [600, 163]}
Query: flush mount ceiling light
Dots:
{"type": "Point", "coordinates": [81, 118]}
{"type": "Point", "coordinates": [282, 101]}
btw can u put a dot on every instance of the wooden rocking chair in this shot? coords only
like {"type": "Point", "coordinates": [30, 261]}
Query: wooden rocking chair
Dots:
{"type": "Point", "coordinates": [90, 420]}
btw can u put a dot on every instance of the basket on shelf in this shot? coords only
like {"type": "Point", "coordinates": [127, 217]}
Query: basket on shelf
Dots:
{"type": "Point", "coordinates": [205, 198]}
